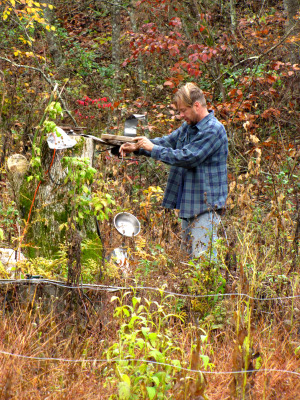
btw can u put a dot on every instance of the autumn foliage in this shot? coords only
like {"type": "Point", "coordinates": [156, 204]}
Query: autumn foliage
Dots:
{"type": "Point", "coordinates": [237, 319]}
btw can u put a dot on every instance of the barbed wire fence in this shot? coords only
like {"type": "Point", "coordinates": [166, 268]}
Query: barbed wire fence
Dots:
{"type": "Point", "coordinates": [107, 288]}
{"type": "Point", "coordinates": [180, 368]}
{"type": "Point", "coordinates": [113, 289]}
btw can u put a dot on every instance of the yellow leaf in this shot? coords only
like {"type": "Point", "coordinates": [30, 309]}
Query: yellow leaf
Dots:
{"type": "Point", "coordinates": [254, 139]}
{"type": "Point", "coordinates": [50, 6]}
{"type": "Point", "coordinates": [53, 28]}
{"type": "Point", "coordinates": [13, 3]}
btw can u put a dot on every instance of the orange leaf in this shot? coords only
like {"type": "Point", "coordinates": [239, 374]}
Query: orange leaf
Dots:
{"type": "Point", "coordinates": [169, 83]}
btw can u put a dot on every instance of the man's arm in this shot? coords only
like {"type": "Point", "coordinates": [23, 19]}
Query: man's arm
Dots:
{"type": "Point", "coordinates": [194, 153]}
{"type": "Point", "coordinates": [145, 145]}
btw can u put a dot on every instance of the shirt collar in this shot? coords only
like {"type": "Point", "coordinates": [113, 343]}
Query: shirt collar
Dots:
{"type": "Point", "coordinates": [193, 129]}
{"type": "Point", "coordinates": [204, 121]}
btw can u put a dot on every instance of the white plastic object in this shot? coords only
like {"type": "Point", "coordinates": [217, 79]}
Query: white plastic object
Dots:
{"type": "Point", "coordinates": [59, 140]}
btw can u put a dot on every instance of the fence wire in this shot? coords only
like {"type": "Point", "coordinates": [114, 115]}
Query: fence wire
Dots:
{"type": "Point", "coordinates": [106, 288]}
{"type": "Point", "coordinates": [133, 288]}
{"type": "Point", "coordinates": [96, 361]}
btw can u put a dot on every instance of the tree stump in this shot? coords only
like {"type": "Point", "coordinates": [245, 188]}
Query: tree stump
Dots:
{"type": "Point", "coordinates": [48, 223]}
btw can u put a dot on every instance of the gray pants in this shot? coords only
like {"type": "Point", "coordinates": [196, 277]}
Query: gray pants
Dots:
{"type": "Point", "coordinates": [199, 233]}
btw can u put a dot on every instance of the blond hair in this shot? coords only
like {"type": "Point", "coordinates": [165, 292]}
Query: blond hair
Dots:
{"type": "Point", "coordinates": [189, 94]}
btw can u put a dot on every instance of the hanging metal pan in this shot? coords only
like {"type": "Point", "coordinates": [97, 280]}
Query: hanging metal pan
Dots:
{"type": "Point", "coordinates": [127, 224]}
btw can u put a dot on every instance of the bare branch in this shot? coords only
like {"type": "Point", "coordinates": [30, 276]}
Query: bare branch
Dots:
{"type": "Point", "coordinates": [255, 58]}
{"type": "Point", "coordinates": [47, 79]}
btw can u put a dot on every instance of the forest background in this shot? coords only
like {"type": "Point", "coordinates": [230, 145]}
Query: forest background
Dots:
{"type": "Point", "coordinates": [162, 327]}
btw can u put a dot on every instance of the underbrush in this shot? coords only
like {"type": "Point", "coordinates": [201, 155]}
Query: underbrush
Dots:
{"type": "Point", "coordinates": [159, 326]}
{"type": "Point", "coordinates": [163, 317]}
{"type": "Point", "coordinates": [130, 344]}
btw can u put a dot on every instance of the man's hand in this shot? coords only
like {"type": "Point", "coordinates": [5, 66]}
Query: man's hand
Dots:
{"type": "Point", "coordinates": [144, 143]}
{"type": "Point", "coordinates": [127, 148]}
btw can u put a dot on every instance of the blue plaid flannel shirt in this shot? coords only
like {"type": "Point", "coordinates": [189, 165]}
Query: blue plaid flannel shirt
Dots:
{"type": "Point", "coordinates": [198, 158]}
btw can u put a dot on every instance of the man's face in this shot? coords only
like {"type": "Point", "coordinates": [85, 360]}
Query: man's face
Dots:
{"type": "Point", "coordinates": [189, 114]}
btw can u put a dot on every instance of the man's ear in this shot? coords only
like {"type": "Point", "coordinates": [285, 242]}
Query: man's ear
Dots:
{"type": "Point", "coordinates": [197, 105]}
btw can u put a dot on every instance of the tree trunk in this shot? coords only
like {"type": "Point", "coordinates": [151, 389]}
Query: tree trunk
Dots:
{"type": "Point", "coordinates": [233, 16]}
{"type": "Point", "coordinates": [292, 8]}
{"type": "Point", "coordinates": [53, 43]}
{"type": "Point", "coordinates": [141, 69]}
{"type": "Point", "coordinates": [115, 37]}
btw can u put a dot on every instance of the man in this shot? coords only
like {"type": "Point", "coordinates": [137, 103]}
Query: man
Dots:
{"type": "Point", "coordinates": [197, 152]}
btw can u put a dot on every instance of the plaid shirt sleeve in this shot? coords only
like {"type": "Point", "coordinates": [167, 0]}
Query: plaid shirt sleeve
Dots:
{"type": "Point", "coordinates": [196, 148]}
{"type": "Point", "coordinates": [169, 141]}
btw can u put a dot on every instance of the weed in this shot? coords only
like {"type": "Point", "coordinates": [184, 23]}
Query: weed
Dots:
{"type": "Point", "coordinates": [148, 361]}
{"type": "Point", "coordinates": [9, 217]}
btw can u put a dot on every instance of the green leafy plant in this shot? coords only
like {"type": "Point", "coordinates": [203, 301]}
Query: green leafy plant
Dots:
{"type": "Point", "coordinates": [85, 203]}
{"type": "Point", "coordinates": [9, 215]}
{"type": "Point", "coordinates": [46, 126]}
{"type": "Point", "coordinates": [205, 277]}
{"type": "Point", "coordinates": [80, 175]}
{"type": "Point", "coordinates": [148, 361]}
{"type": "Point", "coordinates": [144, 335]}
